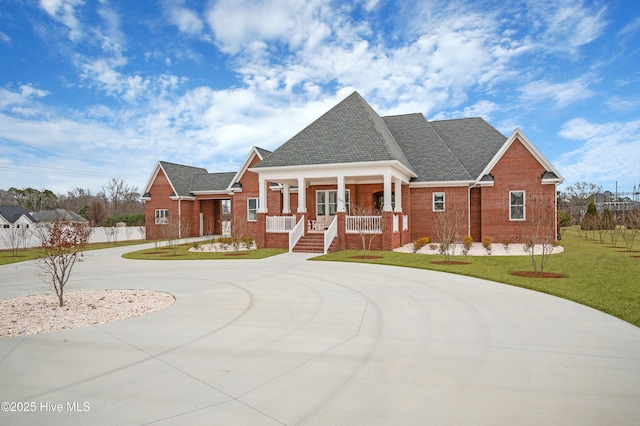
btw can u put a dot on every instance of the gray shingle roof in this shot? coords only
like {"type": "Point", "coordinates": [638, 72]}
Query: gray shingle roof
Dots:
{"type": "Point", "coordinates": [58, 214]}
{"type": "Point", "coordinates": [430, 156]}
{"type": "Point", "coordinates": [13, 213]}
{"type": "Point", "coordinates": [211, 181]}
{"type": "Point", "coordinates": [473, 141]}
{"type": "Point", "coordinates": [180, 176]}
{"type": "Point", "coordinates": [349, 132]}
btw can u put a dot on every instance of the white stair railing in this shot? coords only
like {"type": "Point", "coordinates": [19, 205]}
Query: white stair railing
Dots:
{"type": "Point", "coordinates": [330, 234]}
{"type": "Point", "coordinates": [296, 233]}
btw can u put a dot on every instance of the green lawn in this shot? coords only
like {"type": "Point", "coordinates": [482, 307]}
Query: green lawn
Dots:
{"type": "Point", "coordinates": [182, 253]}
{"type": "Point", "coordinates": [7, 257]}
{"type": "Point", "coordinates": [597, 275]}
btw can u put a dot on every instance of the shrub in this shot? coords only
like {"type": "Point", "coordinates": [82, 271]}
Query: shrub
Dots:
{"type": "Point", "coordinates": [433, 246]}
{"type": "Point", "coordinates": [486, 243]}
{"type": "Point", "coordinates": [420, 242]}
{"type": "Point", "coordinates": [505, 244]}
{"type": "Point", "coordinates": [466, 244]}
{"type": "Point", "coordinates": [248, 242]}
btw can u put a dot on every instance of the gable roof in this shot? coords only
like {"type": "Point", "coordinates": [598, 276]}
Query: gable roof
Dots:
{"type": "Point", "coordinates": [431, 158]}
{"type": "Point", "coordinates": [178, 175]}
{"type": "Point", "coordinates": [350, 132]}
{"type": "Point", "coordinates": [58, 214]}
{"type": "Point", "coordinates": [255, 151]}
{"type": "Point", "coordinates": [13, 213]}
{"type": "Point", "coordinates": [473, 141]}
{"type": "Point", "coordinates": [211, 182]}
{"type": "Point", "coordinates": [551, 175]}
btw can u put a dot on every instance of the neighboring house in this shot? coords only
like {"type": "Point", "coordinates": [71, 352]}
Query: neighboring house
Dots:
{"type": "Point", "coordinates": [15, 217]}
{"type": "Point", "coordinates": [352, 160]}
{"type": "Point", "coordinates": [57, 214]}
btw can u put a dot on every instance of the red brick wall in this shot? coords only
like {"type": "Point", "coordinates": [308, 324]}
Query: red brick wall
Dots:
{"type": "Point", "coordinates": [476, 214]}
{"type": "Point", "coordinates": [160, 199]}
{"type": "Point", "coordinates": [517, 170]}
{"type": "Point", "coordinates": [422, 214]}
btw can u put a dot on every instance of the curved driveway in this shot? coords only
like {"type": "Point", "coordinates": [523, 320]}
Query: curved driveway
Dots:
{"type": "Point", "coordinates": [289, 341]}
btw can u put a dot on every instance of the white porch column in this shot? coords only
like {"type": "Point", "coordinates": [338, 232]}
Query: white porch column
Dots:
{"type": "Point", "coordinates": [302, 195]}
{"type": "Point", "coordinates": [398, 191]}
{"type": "Point", "coordinates": [262, 191]}
{"type": "Point", "coordinates": [286, 199]}
{"type": "Point", "coordinates": [387, 194]}
{"type": "Point", "coordinates": [341, 195]}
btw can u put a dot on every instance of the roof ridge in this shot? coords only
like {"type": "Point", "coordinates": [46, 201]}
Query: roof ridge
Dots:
{"type": "Point", "coordinates": [455, 157]}
{"type": "Point", "coordinates": [378, 121]}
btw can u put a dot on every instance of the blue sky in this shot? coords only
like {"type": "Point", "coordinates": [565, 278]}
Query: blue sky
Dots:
{"type": "Point", "coordinates": [96, 89]}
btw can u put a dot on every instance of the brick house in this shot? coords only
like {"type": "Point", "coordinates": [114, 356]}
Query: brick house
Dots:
{"type": "Point", "coordinates": [352, 172]}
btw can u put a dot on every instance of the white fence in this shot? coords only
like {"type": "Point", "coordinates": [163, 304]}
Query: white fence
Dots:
{"type": "Point", "coordinates": [364, 224]}
{"type": "Point", "coordinates": [98, 235]}
{"type": "Point", "coordinates": [280, 223]}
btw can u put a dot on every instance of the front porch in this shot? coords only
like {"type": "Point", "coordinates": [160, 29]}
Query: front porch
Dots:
{"type": "Point", "coordinates": [385, 232]}
{"type": "Point", "coordinates": [344, 202]}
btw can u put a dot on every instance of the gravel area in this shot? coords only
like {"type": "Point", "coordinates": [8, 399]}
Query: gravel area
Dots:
{"type": "Point", "coordinates": [40, 313]}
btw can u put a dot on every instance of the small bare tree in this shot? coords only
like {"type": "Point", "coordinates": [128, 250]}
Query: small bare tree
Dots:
{"type": "Point", "coordinates": [368, 222]}
{"type": "Point", "coordinates": [62, 244]}
{"type": "Point", "coordinates": [539, 230]}
{"type": "Point", "coordinates": [16, 237]}
{"type": "Point", "coordinates": [448, 227]}
{"type": "Point", "coordinates": [238, 231]}
{"type": "Point", "coordinates": [631, 229]}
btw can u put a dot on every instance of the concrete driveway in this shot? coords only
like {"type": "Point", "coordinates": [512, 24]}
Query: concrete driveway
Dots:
{"type": "Point", "coordinates": [289, 341]}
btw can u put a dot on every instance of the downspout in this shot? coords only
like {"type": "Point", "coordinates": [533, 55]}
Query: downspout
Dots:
{"type": "Point", "coordinates": [469, 208]}
{"type": "Point", "coordinates": [179, 218]}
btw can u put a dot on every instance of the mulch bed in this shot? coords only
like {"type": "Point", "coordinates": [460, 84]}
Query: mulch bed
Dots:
{"type": "Point", "coordinates": [366, 257]}
{"type": "Point", "coordinates": [531, 274]}
{"type": "Point", "coordinates": [453, 262]}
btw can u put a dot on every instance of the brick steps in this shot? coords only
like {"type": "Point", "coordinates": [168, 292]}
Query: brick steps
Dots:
{"type": "Point", "coordinates": [312, 243]}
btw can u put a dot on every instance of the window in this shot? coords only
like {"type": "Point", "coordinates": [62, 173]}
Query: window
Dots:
{"type": "Point", "coordinates": [438, 201]}
{"type": "Point", "coordinates": [327, 202]}
{"type": "Point", "coordinates": [162, 216]}
{"type": "Point", "coordinates": [517, 206]}
{"type": "Point", "coordinates": [253, 204]}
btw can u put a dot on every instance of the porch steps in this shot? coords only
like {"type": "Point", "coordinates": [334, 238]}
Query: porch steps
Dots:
{"type": "Point", "coordinates": [312, 243]}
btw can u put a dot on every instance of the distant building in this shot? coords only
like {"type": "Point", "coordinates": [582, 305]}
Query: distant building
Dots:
{"type": "Point", "coordinates": [57, 214]}
{"type": "Point", "coordinates": [15, 217]}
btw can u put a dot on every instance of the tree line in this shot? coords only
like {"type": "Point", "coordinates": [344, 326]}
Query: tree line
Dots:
{"type": "Point", "coordinates": [117, 201]}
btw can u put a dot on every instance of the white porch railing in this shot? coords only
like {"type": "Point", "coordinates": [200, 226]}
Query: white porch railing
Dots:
{"type": "Point", "coordinates": [405, 222]}
{"type": "Point", "coordinates": [364, 224]}
{"type": "Point", "coordinates": [396, 223]}
{"type": "Point", "coordinates": [296, 233]}
{"type": "Point", "coordinates": [280, 223]}
{"type": "Point", "coordinates": [330, 234]}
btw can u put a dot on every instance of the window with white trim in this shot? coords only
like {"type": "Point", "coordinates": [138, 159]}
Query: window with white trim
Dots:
{"type": "Point", "coordinates": [516, 205]}
{"type": "Point", "coordinates": [162, 216]}
{"type": "Point", "coordinates": [327, 202]}
{"type": "Point", "coordinates": [253, 204]}
{"type": "Point", "coordinates": [438, 201]}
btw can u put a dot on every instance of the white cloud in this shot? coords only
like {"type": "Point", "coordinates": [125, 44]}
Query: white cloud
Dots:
{"type": "Point", "coordinates": [562, 94]}
{"type": "Point", "coordinates": [608, 152]}
{"type": "Point", "coordinates": [187, 20]}
{"type": "Point", "coordinates": [565, 25]}
{"type": "Point", "coordinates": [64, 11]}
